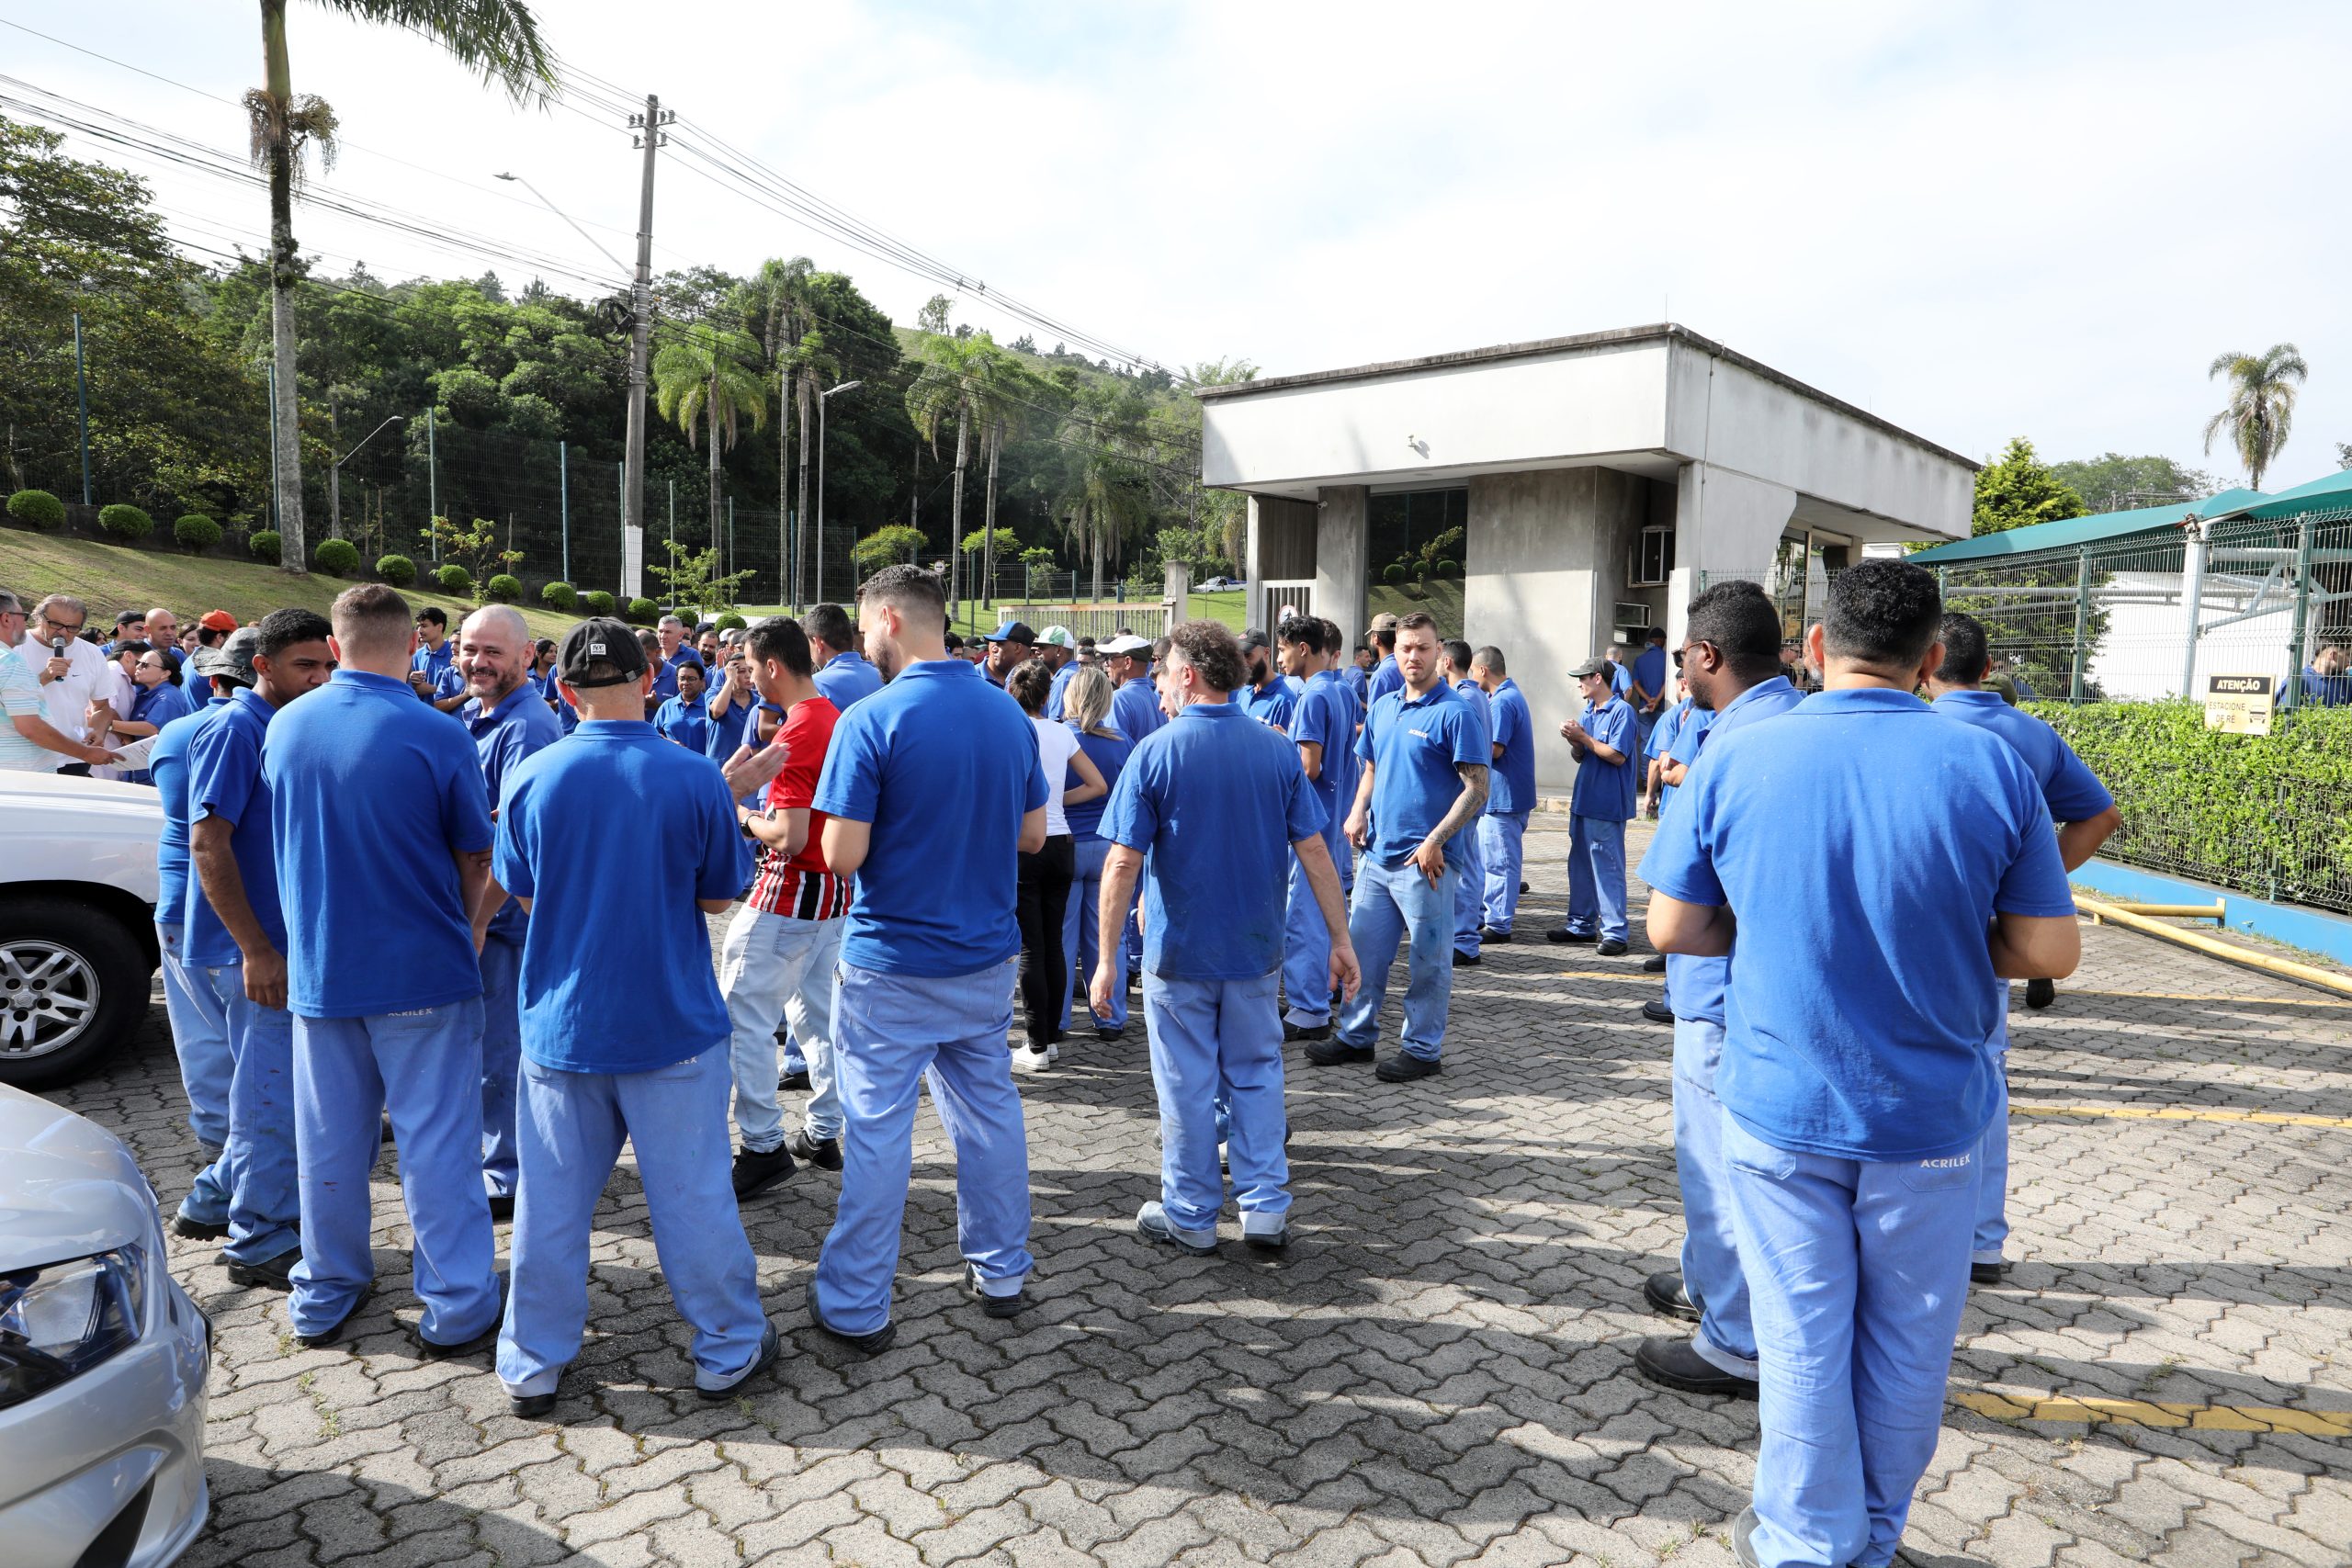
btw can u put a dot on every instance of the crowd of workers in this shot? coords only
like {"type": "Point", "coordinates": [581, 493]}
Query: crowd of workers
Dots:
{"type": "Point", "coordinates": [485, 936]}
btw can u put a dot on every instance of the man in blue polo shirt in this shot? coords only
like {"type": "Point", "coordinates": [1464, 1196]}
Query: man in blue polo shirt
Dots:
{"type": "Point", "coordinates": [1648, 694]}
{"type": "Point", "coordinates": [1265, 694]}
{"type": "Point", "coordinates": [508, 723]}
{"type": "Point", "coordinates": [1425, 754]}
{"type": "Point", "coordinates": [676, 650]}
{"type": "Point", "coordinates": [624, 1032]}
{"type": "Point", "coordinates": [432, 667]}
{"type": "Point", "coordinates": [384, 989]}
{"type": "Point", "coordinates": [1384, 677]}
{"type": "Point", "coordinates": [933, 790]}
{"type": "Point", "coordinates": [1135, 703]}
{"type": "Point", "coordinates": [684, 719]}
{"type": "Point", "coordinates": [1009, 647]}
{"type": "Point", "coordinates": [1056, 644]}
{"type": "Point", "coordinates": [844, 677]}
{"type": "Point", "coordinates": [1511, 794]}
{"type": "Point", "coordinates": [1871, 869]}
{"type": "Point", "coordinates": [1604, 739]}
{"type": "Point", "coordinates": [1470, 893]}
{"type": "Point", "coordinates": [2087, 818]}
{"type": "Point", "coordinates": [1206, 810]}
{"type": "Point", "coordinates": [1323, 728]}
{"type": "Point", "coordinates": [236, 937]}
{"type": "Point", "coordinates": [1731, 659]}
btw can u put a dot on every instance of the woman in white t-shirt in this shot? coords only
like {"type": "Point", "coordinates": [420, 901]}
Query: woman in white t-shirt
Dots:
{"type": "Point", "coordinates": [1045, 877]}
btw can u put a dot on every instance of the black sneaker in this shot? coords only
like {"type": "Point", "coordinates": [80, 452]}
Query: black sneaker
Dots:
{"type": "Point", "coordinates": [995, 1306]}
{"type": "Point", "coordinates": [1657, 1012]}
{"type": "Point", "coordinates": [333, 1332]}
{"type": "Point", "coordinates": [823, 1153]}
{"type": "Point", "coordinates": [1107, 1034]}
{"type": "Point", "coordinates": [872, 1344]}
{"type": "Point", "coordinates": [433, 1350]}
{"type": "Point", "coordinates": [1667, 1294]}
{"type": "Point", "coordinates": [502, 1205]}
{"type": "Point", "coordinates": [199, 1230]}
{"type": "Point", "coordinates": [1523, 889]}
{"type": "Point", "coordinates": [1404, 1068]}
{"type": "Point", "coordinates": [757, 1172]}
{"type": "Point", "coordinates": [798, 1080]}
{"type": "Point", "coordinates": [1654, 964]}
{"type": "Point", "coordinates": [272, 1274]}
{"type": "Point", "coordinates": [1611, 949]}
{"type": "Point", "coordinates": [1305, 1030]}
{"type": "Point", "coordinates": [771, 1346]}
{"type": "Point", "coordinates": [1464, 960]}
{"type": "Point", "coordinates": [1676, 1363]}
{"type": "Point", "coordinates": [1562, 933]}
{"type": "Point", "coordinates": [1491, 936]}
{"type": "Point", "coordinates": [532, 1407]}
{"type": "Point", "coordinates": [1335, 1052]}
{"type": "Point", "coordinates": [1987, 1273]}
{"type": "Point", "coordinates": [2040, 993]}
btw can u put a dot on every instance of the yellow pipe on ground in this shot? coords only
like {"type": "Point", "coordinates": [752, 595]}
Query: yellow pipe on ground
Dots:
{"type": "Point", "coordinates": [2212, 911]}
{"type": "Point", "coordinates": [2124, 916]}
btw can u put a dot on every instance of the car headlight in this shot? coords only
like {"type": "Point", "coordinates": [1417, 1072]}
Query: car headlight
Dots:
{"type": "Point", "coordinates": [61, 1319]}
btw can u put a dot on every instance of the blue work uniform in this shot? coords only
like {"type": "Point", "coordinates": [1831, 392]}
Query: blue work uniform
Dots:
{"type": "Point", "coordinates": [1215, 803]}
{"type": "Point", "coordinates": [1327, 717]}
{"type": "Point", "coordinates": [1510, 796]}
{"type": "Point", "coordinates": [257, 1165]}
{"type": "Point", "coordinates": [1358, 680]}
{"type": "Point", "coordinates": [1649, 674]}
{"type": "Point", "coordinates": [1414, 744]}
{"type": "Point", "coordinates": [1600, 803]}
{"type": "Point", "coordinates": [519, 726]}
{"type": "Point", "coordinates": [1856, 1080]}
{"type": "Point", "coordinates": [847, 678]}
{"type": "Point", "coordinates": [199, 1012]}
{"type": "Point", "coordinates": [1270, 705]}
{"type": "Point", "coordinates": [1385, 678]}
{"type": "Point", "coordinates": [1668, 732]}
{"type": "Point", "coordinates": [2074, 794]}
{"type": "Point", "coordinates": [944, 769]}
{"type": "Point", "coordinates": [1135, 710]}
{"type": "Point", "coordinates": [1470, 892]}
{"type": "Point", "coordinates": [665, 674]}
{"type": "Point", "coordinates": [1081, 920]}
{"type": "Point", "coordinates": [624, 1038]}
{"type": "Point", "coordinates": [1620, 680]}
{"type": "Point", "coordinates": [1060, 691]}
{"type": "Point", "coordinates": [368, 789]}
{"type": "Point", "coordinates": [1695, 990]}
{"type": "Point", "coordinates": [439, 666]}
{"type": "Point", "coordinates": [157, 704]}
{"type": "Point", "coordinates": [685, 721]}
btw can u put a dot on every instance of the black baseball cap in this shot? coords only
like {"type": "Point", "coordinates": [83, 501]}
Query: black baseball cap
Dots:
{"type": "Point", "coordinates": [1253, 639]}
{"type": "Point", "coordinates": [600, 641]}
{"type": "Point", "coordinates": [1015, 631]}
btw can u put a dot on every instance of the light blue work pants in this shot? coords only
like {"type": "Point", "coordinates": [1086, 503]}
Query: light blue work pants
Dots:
{"type": "Point", "coordinates": [1597, 877]}
{"type": "Point", "coordinates": [892, 1033]}
{"type": "Point", "coordinates": [1710, 1274]}
{"type": "Point", "coordinates": [1306, 955]}
{"type": "Point", "coordinates": [1499, 842]}
{"type": "Point", "coordinates": [1469, 887]}
{"type": "Point", "coordinates": [502, 1060]}
{"type": "Point", "coordinates": [419, 1066]}
{"type": "Point", "coordinates": [256, 1166]}
{"type": "Point", "coordinates": [1993, 1154]}
{"type": "Point", "coordinates": [1082, 935]}
{"type": "Point", "coordinates": [1216, 1046]}
{"type": "Point", "coordinates": [773, 966]}
{"type": "Point", "coordinates": [1397, 905]}
{"type": "Point", "coordinates": [1857, 1271]}
{"type": "Point", "coordinates": [199, 1021]}
{"type": "Point", "coordinates": [569, 1127]}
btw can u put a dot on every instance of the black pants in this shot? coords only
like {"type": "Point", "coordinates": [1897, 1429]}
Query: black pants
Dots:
{"type": "Point", "coordinates": [1046, 879]}
{"type": "Point", "coordinates": [75, 770]}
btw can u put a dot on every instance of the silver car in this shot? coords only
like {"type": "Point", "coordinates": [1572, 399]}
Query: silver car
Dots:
{"type": "Point", "coordinates": [102, 1355]}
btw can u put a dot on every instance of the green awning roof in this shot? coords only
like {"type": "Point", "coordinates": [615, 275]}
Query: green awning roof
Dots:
{"type": "Point", "coordinates": [2328, 492]}
{"type": "Point", "coordinates": [2073, 532]}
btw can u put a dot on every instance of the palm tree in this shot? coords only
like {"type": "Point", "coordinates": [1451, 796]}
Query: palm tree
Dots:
{"type": "Point", "coordinates": [1002, 401]}
{"type": "Point", "coordinates": [2262, 404]}
{"type": "Point", "coordinates": [778, 301]}
{"type": "Point", "coordinates": [497, 40]}
{"type": "Point", "coordinates": [703, 375]}
{"type": "Point", "coordinates": [1106, 495]}
{"type": "Point", "coordinates": [954, 372]}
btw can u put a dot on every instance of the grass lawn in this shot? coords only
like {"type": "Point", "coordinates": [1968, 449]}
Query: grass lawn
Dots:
{"type": "Point", "coordinates": [113, 577]}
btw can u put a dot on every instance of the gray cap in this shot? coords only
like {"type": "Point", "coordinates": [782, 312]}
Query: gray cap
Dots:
{"type": "Point", "coordinates": [1589, 667]}
{"type": "Point", "coordinates": [1129, 644]}
{"type": "Point", "coordinates": [233, 657]}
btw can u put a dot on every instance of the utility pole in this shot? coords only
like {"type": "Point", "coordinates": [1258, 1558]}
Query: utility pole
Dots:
{"type": "Point", "coordinates": [563, 500]}
{"type": "Point", "coordinates": [81, 392]}
{"type": "Point", "coordinates": [432, 484]}
{"type": "Point", "coordinates": [649, 127]}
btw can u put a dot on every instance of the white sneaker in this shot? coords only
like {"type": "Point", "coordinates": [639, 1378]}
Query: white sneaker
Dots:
{"type": "Point", "coordinates": [1031, 1058]}
{"type": "Point", "coordinates": [1054, 1052]}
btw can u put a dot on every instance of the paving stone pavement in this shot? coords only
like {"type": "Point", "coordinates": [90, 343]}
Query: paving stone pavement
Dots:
{"type": "Point", "coordinates": [1438, 1372]}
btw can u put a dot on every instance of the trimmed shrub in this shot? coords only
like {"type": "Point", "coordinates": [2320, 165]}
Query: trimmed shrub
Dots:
{"type": "Point", "coordinates": [1396, 574]}
{"type": "Point", "coordinates": [196, 533]}
{"type": "Point", "coordinates": [453, 579]}
{"type": "Point", "coordinates": [560, 596]}
{"type": "Point", "coordinates": [398, 570]}
{"type": "Point", "coordinates": [1449, 568]}
{"type": "Point", "coordinates": [125, 520]}
{"type": "Point", "coordinates": [596, 601]}
{"type": "Point", "coordinates": [264, 544]}
{"type": "Point", "coordinates": [643, 612]}
{"type": "Point", "coordinates": [504, 589]}
{"type": "Point", "coordinates": [731, 622]}
{"type": "Point", "coordinates": [37, 509]}
{"type": "Point", "coordinates": [336, 558]}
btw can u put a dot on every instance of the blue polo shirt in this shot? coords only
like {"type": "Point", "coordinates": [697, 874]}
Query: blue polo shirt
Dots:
{"type": "Point", "coordinates": [665, 675]}
{"type": "Point", "coordinates": [1620, 680]}
{"type": "Point", "coordinates": [1327, 717]}
{"type": "Point", "coordinates": [1109, 754]}
{"type": "Point", "coordinates": [1866, 848]}
{"type": "Point", "coordinates": [1414, 744]}
{"type": "Point", "coordinates": [1510, 784]}
{"type": "Point", "coordinates": [1060, 688]}
{"type": "Point", "coordinates": [687, 722]}
{"type": "Point", "coordinates": [167, 769]}
{"type": "Point", "coordinates": [2318, 691]}
{"type": "Point", "coordinates": [846, 678]}
{"type": "Point", "coordinates": [1270, 705]}
{"type": "Point", "coordinates": [1135, 710]}
{"type": "Point", "coordinates": [434, 660]}
{"type": "Point", "coordinates": [617, 973]}
{"type": "Point", "coordinates": [944, 766]}
{"type": "Point", "coordinates": [1385, 678]}
{"type": "Point", "coordinates": [512, 731]}
{"type": "Point", "coordinates": [371, 796]}
{"type": "Point", "coordinates": [1649, 669]}
{"type": "Point", "coordinates": [1358, 682]}
{"type": "Point", "coordinates": [1215, 802]}
{"type": "Point", "coordinates": [158, 704]}
{"type": "Point", "coordinates": [1683, 717]}
{"type": "Point", "coordinates": [224, 779]}
{"type": "Point", "coordinates": [1697, 986]}
{"type": "Point", "coordinates": [2068, 788]}
{"type": "Point", "coordinates": [1475, 695]}
{"type": "Point", "coordinates": [1605, 791]}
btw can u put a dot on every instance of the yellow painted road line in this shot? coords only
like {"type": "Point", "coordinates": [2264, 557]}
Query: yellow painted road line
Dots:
{"type": "Point", "coordinates": [2201, 996]}
{"type": "Point", "coordinates": [2180, 1113]}
{"type": "Point", "coordinates": [2149, 1413]}
{"type": "Point", "coordinates": [1620, 979]}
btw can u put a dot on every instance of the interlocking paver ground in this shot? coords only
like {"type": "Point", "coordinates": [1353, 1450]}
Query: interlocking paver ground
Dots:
{"type": "Point", "coordinates": [1438, 1371]}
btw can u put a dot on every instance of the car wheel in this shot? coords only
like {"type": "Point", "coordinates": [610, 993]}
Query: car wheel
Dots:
{"type": "Point", "coordinates": [72, 982]}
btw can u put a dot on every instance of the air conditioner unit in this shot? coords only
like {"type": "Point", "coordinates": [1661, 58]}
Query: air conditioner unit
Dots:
{"type": "Point", "coordinates": [1653, 565]}
{"type": "Point", "coordinates": [1631, 622]}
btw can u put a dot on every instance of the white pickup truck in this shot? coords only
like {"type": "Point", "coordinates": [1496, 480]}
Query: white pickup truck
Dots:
{"type": "Point", "coordinates": [77, 922]}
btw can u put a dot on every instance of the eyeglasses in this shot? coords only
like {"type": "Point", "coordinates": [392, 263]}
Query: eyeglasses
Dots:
{"type": "Point", "coordinates": [74, 629]}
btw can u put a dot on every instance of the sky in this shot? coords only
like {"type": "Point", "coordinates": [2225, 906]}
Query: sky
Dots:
{"type": "Point", "coordinates": [1976, 220]}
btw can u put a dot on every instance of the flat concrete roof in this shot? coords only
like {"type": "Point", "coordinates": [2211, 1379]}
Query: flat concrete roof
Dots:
{"type": "Point", "coordinates": [1670, 332]}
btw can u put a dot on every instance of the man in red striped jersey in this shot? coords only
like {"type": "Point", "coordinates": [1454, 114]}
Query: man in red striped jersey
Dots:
{"type": "Point", "coordinates": [779, 955]}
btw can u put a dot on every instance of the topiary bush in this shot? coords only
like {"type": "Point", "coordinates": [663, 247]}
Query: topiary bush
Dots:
{"type": "Point", "coordinates": [398, 570]}
{"type": "Point", "coordinates": [336, 558]}
{"type": "Point", "coordinates": [644, 612]}
{"type": "Point", "coordinates": [504, 589]}
{"type": "Point", "coordinates": [731, 622]}
{"type": "Point", "coordinates": [37, 509]}
{"type": "Point", "coordinates": [596, 601]}
{"type": "Point", "coordinates": [560, 596]}
{"type": "Point", "coordinates": [453, 579]}
{"type": "Point", "coordinates": [125, 522]}
{"type": "Point", "coordinates": [1396, 574]}
{"type": "Point", "coordinates": [263, 545]}
{"type": "Point", "coordinates": [196, 533]}
{"type": "Point", "coordinates": [1449, 567]}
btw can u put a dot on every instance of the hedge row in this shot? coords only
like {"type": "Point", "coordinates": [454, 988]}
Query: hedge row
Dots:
{"type": "Point", "coordinates": [2261, 813]}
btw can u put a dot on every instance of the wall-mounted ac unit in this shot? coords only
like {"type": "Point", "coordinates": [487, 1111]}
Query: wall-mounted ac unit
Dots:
{"type": "Point", "coordinates": [1653, 564]}
{"type": "Point", "coordinates": [1631, 623]}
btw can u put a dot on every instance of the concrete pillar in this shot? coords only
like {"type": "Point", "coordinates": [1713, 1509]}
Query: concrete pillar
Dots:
{"type": "Point", "coordinates": [1280, 549]}
{"type": "Point", "coordinates": [1176, 591]}
{"type": "Point", "coordinates": [1725, 525]}
{"type": "Point", "coordinates": [1342, 555]}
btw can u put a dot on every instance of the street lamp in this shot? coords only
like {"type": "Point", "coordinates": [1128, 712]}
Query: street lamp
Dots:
{"type": "Point", "coordinates": [334, 474]}
{"type": "Point", "coordinates": [559, 212]}
{"type": "Point", "coordinates": [843, 387]}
